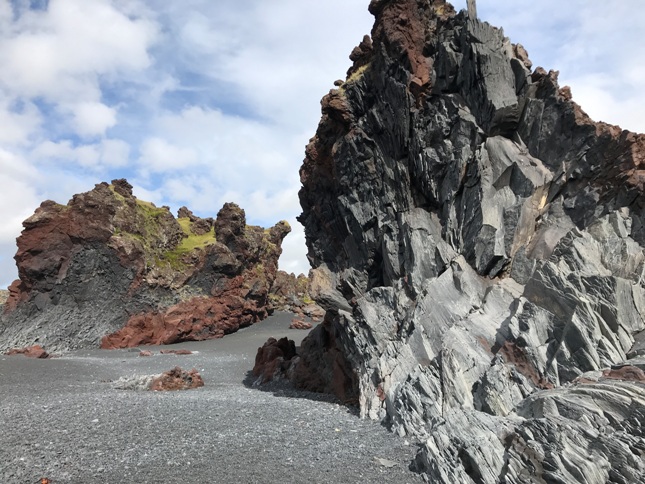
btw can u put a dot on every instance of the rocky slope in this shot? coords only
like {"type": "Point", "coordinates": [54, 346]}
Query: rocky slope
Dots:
{"type": "Point", "coordinates": [110, 269]}
{"type": "Point", "coordinates": [477, 242]}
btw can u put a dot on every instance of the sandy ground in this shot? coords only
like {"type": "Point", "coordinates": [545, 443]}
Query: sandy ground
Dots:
{"type": "Point", "coordinates": [63, 419]}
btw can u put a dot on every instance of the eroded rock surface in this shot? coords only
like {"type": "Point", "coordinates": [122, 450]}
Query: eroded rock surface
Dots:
{"type": "Point", "coordinates": [110, 269]}
{"type": "Point", "coordinates": [477, 242]}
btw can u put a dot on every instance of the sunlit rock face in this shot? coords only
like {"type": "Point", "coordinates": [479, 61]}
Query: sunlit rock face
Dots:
{"type": "Point", "coordinates": [112, 270]}
{"type": "Point", "coordinates": [477, 242]}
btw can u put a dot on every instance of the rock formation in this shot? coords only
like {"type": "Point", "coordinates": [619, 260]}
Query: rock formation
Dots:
{"type": "Point", "coordinates": [477, 241]}
{"type": "Point", "coordinates": [4, 295]}
{"type": "Point", "coordinates": [292, 294]}
{"type": "Point", "coordinates": [111, 269]}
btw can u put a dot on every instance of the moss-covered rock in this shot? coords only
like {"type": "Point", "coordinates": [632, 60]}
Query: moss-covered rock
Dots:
{"type": "Point", "coordinates": [108, 260]}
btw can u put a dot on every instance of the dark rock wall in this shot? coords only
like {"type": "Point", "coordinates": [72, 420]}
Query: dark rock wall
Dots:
{"type": "Point", "coordinates": [109, 268]}
{"type": "Point", "coordinates": [477, 242]}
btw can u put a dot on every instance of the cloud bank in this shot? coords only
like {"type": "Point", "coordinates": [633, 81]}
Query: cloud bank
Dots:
{"type": "Point", "coordinates": [199, 102]}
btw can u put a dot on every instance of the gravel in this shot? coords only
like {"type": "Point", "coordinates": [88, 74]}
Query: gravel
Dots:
{"type": "Point", "coordinates": [63, 419]}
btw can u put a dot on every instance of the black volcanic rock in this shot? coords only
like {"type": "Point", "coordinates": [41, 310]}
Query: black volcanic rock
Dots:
{"type": "Point", "coordinates": [477, 242]}
{"type": "Point", "coordinates": [110, 269]}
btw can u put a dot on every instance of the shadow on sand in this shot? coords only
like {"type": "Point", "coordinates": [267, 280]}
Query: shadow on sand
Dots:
{"type": "Point", "coordinates": [284, 388]}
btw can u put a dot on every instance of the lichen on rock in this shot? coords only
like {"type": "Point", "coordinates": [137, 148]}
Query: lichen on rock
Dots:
{"type": "Point", "coordinates": [110, 269]}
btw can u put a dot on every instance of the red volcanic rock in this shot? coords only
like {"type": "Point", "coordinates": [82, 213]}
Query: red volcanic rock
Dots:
{"type": "Point", "coordinates": [176, 352]}
{"type": "Point", "coordinates": [35, 351]}
{"type": "Point", "coordinates": [626, 373]}
{"type": "Point", "coordinates": [323, 368]}
{"type": "Point", "coordinates": [300, 324]}
{"type": "Point", "coordinates": [111, 269]}
{"type": "Point", "coordinates": [274, 359]}
{"type": "Point", "coordinates": [145, 353]}
{"type": "Point", "coordinates": [514, 354]}
{"type": "Point", "coordinates": [177, 379]}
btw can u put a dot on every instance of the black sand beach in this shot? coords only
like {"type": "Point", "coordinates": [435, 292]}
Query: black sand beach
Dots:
{"type": "Point", "coordinates": [63, 419]}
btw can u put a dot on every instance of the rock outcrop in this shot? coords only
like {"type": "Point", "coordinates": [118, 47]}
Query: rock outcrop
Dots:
{"type": "Point", "coordinates": [110, 269]}
{"type": "Point", "coordinates": [477, 241]}
{"type": "Point", "coordinates": [4, 295]}
{"type": "Point", "coordinates": [292, 293]}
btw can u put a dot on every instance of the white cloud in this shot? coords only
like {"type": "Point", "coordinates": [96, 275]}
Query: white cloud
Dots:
{"type": "Point", "coordinates": [59, 52]}
{"type": "Point", "coordinates": [201, 102]}
{"type": "Point", "coordinates": [159, 156]}
{"type": "Point", "coordinates": [97, 157]}
{"type": "Point", "coordinates": [115, 153]}
{"type": "Point", "coordinates": [18, 123]}
{"type": "Point", "coordinates": [18, 198]}
{"type": "Point", "coordinates": [92, 118]}
{"type": "Point", "coordinates": [293, 257]}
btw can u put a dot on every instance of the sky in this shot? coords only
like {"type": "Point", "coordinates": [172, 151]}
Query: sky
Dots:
{"type": "Point", "coordinates": [202, 102]}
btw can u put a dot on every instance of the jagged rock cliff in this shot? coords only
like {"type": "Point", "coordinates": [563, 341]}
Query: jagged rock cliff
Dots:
{"type": "Point", "coordinates": [477, 242]}
{"type": "Point", "coordinates": [110, 269]}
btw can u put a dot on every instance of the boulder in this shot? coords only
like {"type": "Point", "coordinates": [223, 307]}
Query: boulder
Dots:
{"type": "Point", "coordinates": [177, 379]}
{"type": "Point", "coordinates": [35, 351]}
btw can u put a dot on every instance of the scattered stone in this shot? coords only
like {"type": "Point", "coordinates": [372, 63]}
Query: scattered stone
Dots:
{"type": "Point", "coordinates": [300, 324]}
{"type": "Point", "coordinates": [145, 353]}
{"type": "Point", "coordinates": [176, 352]}
{"type": "Point", "coordinates": [35, 351]}
{"type": "Point", "coordinates": [385, 462]}
{"type": "Point", "coordinates": [136, 383]}
{"type": "Point", "coordinates": [177, 379]}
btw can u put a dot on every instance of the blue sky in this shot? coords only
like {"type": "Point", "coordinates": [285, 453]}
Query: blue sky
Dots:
{"type": "Point", "coordinates": [200, 102]}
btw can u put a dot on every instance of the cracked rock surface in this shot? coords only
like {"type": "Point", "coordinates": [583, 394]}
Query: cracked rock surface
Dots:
{"type": "Point", "coordinates": [477, 242]}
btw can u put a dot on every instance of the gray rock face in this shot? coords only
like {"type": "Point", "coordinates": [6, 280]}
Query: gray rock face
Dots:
{"type": "Point", "coordinates": [477, 242]}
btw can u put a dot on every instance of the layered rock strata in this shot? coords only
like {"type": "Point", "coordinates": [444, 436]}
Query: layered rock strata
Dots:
{"type": "Point", "coordinates": [110, 269]}
{"type": "Point", "coordinates": [477, 241]}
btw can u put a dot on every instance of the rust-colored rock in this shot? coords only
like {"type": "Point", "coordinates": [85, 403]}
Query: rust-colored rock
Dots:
{"type": "Point", "coordinates": [109, 268]}
{"type": "Point", "coordinates": [176, 352]}
{"type": "Point", "coordinates": [274, 359]}
{"type": "Point", "coordinates": [145, 353]}
{"type": "Point", "coordinates": [300, 324]}
{"type": "Point", "coordinates": [35, 351]}
{"type": "Point", "coordinates": [323, 367]}
{"type": "Point", "coordinates": [514, 354]}
{"type": "Point", "coordinates": [625, 373]}
{"type": "Point", "coordinates": [177, 379]}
